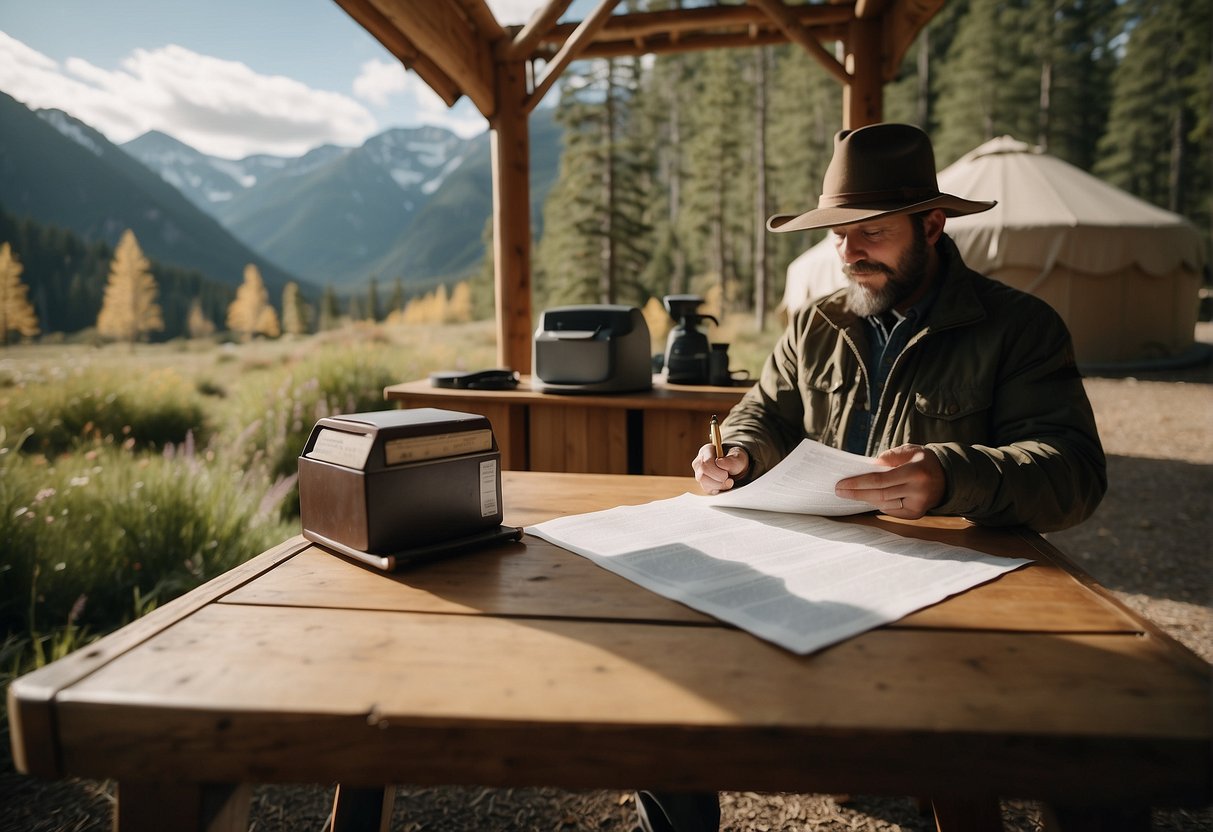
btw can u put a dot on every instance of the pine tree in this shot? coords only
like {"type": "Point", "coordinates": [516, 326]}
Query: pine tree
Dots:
{"type": "Point", "coordinates": [806, 111]}
{"type": "Point", "coordinates": [396, 301]}
{"type": "Point", "coordinates": [353, 308]}
{"type": "Point", "coordinates": [129, 309]}
{"type": "Point", "coordinates": [197, 323]}
{"type": "Point", "coordinates": [295, 312]}
{"type": "Point", "coordinates": [1069, 44]}
{"type": "Point", "coordinates": [459, 305]}
{"type": "Point", "coordinates": [988, 86]}
{"type": "Point", "coordinates": [762, 280]}
{"type": "Point", "coordinates": [330, 314]}
{"type": "Point", "coordinates": [717, 207]}
{"type": "Point", "coordinates": [250, 313]}
{"type": "Point", "coordinates": [912, 96]}
{"type": "Point", "coordinates": [594, 238]}
{"type": "Point", "coordinates": [1157, 142]}
{"type": "Point", "coordinates": [16, 312]}
{"type": "Point", "coordinates": [373, 312]}
{"type": "Point", "coordinates": [267, 322]}
{"type": "Point", "coordinates": [661, 125]}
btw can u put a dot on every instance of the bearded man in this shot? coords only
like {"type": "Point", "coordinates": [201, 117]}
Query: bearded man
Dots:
{"type": "Point", "coordinates": [964, 387]}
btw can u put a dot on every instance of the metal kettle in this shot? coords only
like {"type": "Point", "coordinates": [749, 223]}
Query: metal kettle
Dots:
{"type": "Point", "coordinates": [687, 348]}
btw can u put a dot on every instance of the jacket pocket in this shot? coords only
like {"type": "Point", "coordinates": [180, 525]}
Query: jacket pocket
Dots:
{"type": "Point", "coordinates": [951, 404]}
{"type": "Point", "coordinates": [824, 400]}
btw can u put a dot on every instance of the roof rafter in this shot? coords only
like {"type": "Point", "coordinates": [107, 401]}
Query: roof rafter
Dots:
{"type": "Point", "coordinates": [903, 22]}
{"type": "Point", "coordinates": [451, 38]}
{"type": "Point", "coordinates": [387, 33]}
{"type": "Point", "coordinates": [582, 37]}
{"type": "Point", "coordinates": [540, 24]}
{"type": "Point", "coordinates": [628, 32]}
{"type": "Point", "coordinates": [798, 33]}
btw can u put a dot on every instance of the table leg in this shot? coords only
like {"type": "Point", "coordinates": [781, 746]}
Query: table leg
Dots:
{"type": "Point", "coordinates": [973, 815]}
{"type": "Point", "coordinates": [1093, 819]}
{"type": "Point", "coordinates": [362, 809]}
{"type": "Point", "coordinates": [189, 807]}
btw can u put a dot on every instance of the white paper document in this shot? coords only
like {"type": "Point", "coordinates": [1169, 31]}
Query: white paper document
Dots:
{"type": "Point", "coordinates": [803, 482]}
{"type": "Point", "coordinates": [798, 580]}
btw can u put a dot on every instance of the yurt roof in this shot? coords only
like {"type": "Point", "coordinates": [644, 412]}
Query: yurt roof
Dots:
{"type": "Point", "coordinates": [1052, 213]}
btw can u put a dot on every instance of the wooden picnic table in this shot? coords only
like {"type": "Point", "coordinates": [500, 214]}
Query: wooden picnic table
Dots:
{"type": "Point", "coordinates": [524, 664]}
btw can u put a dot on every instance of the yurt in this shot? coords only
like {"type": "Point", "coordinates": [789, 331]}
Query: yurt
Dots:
{"type": "Point", "coordinates": [1124, 274]}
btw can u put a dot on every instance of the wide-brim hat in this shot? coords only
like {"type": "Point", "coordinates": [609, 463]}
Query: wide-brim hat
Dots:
{"type": "Point", "coordinates": [876, 171]}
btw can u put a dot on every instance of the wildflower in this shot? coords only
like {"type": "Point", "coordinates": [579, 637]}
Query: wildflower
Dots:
{"type": "Point", "coordinates": [60, 566]}
{"type": "Point", "coordinates": [44, 494]}
{"type": "Point", "coordinates": [78, 482]}
{"type": "Point", "coordinates": [77, 609]}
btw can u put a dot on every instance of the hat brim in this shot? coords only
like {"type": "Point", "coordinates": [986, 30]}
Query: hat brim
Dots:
{"type": "Point", "coordinates": [953, 206]}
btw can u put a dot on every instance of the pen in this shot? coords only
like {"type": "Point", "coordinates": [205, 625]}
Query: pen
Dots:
{"type": "Point", "coordinates": [714, 437]}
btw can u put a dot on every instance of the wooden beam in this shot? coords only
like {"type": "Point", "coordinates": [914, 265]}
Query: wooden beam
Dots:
{"type": "Point", "coordinates": [386, 32]}
{"type": "Point", "coordinates": [511, 155]}
{"type": "Point", "coordinates": [482, 17]}
{"type": "Point", "coordinates": [675, 43]}
{"type": "Point", "coordinates": [862, 101]}
{"type": "Point", "coordinates": [870, 9]}
{"type": "Point", "coordinates": [707, 20]}
{"type": "Point", "coordinates": [448, 38]}
{"type": "Point", "coordinates": [790, 26]}
{"type": "Point", "coordinates": [536, 28]}
{"type": "Point", "coordinates": [903, 22]}
{"type": "Point", "coordinates": [582, 36]}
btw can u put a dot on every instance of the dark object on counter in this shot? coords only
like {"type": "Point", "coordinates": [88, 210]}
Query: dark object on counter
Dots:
{"type": "Point", "coordinates": [592, 349]}
{"type": "Point", "coordinates": [687, 349]}
{"type": "Point", "coordinates": [498, 379]}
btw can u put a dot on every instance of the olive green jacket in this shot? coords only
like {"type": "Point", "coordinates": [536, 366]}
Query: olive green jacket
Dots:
{"type": "Point", "coordinates": [989, 385]}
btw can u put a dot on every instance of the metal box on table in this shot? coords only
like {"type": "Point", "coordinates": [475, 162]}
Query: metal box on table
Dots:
{"type": "Point", "coordinates": [389, 481]}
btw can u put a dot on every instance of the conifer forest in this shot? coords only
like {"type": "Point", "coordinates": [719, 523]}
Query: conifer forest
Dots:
{"type": "Point", "coordinates": [671, 163]}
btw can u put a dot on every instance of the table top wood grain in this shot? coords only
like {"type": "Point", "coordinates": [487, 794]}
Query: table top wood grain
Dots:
{"type": "Point", "coordinates": [524, 664]}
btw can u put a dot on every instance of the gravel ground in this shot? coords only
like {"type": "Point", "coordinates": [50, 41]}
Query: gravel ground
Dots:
{"type": "Point", "coordinates": [1149, 543]}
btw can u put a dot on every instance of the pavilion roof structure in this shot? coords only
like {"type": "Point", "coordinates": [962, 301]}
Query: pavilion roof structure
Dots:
{"type": "Point", "coordinates": [460, 49]}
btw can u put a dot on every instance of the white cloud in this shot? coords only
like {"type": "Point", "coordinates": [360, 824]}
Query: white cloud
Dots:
{"type": "Point", "coordinates": [510, 12]}
{"type": "Point", "coordinates": [379, 80]}
{"type": "Point", "coordinates": [402, 98]}
{"type": "Point", "coordinates": [220, 107]}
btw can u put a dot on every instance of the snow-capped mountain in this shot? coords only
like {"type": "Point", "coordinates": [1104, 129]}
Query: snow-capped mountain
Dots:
{"type": "Point", "coordinates": [342, 215]}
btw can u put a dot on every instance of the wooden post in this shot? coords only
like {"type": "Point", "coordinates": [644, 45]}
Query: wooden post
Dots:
{"type": "Point", "coordinates": [512, 217]}
{"type": "Point", "coordinates": [862, 97]}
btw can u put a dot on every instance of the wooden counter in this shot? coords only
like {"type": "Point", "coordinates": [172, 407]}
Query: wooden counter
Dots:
{"type": "Point", "coordinates": [653, 432]}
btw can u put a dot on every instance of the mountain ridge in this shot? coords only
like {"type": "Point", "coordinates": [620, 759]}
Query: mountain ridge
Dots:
{"type": "Point", "coordinates": [409, 203]}
{"type": "Point", "coordinates": [58, 171]}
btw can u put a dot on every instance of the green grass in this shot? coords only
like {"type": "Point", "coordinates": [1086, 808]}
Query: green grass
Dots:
{"type": "Point", "coordinates": [129, 476]}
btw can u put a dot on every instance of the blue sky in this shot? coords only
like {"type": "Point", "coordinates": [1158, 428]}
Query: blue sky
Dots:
{"type": "Point", "coordinates": [228, 77]}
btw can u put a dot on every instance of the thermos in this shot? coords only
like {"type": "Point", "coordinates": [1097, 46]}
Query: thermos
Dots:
{"type": "Point", "coordinates": [687, 349]}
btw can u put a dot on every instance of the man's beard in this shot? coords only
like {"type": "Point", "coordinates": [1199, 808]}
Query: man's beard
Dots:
{"type": "Point", "coordinates": [903, 280]}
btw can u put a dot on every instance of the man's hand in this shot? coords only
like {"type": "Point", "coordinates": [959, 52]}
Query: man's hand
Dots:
{"type": "Point", "coordinates": [914, 484]}
{"type": "Point", "coordinates": [716, 475]}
